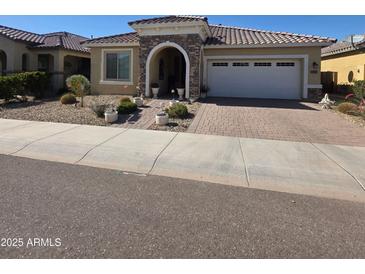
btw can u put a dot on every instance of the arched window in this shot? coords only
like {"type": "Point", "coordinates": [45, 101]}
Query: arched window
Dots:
{"type": "Point", "coordinates": [24, 62]}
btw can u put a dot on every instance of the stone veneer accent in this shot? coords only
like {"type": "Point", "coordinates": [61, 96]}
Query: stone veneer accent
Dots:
{"type": "Point", "coordinates": [191, 43]}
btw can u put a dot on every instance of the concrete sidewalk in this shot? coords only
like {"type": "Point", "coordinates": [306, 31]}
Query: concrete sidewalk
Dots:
{"type": "Point", "coordinates": [296, 167]}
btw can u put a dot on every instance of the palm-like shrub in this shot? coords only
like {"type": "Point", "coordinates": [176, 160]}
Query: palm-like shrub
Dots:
{"type": "Point", "coordinates": [79, 85]}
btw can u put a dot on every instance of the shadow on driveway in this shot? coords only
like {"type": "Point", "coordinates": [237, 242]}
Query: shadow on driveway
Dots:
{"type": "Point", "coordinates": [265, 103]}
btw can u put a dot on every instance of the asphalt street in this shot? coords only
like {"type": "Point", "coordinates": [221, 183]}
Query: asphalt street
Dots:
{"type": "Point", "coordinates": [101, 213]}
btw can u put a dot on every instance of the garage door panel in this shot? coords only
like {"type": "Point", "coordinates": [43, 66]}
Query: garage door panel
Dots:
{"type": "Point", "coordinates": [282, 82]}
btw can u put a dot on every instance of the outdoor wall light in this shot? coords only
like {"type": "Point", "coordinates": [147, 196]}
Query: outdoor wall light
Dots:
{"type": "Point", "coordinates": [314, 65]}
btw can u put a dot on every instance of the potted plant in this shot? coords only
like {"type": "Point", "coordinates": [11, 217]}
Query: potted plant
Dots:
{"type": "Point", "coordinates": [111, 115]}
{"type": "Point", "coordinates": [155, 89]}
{"type": "Point", "coordinates": [204, 91]}
{"type": "Point", "coordinates": [181, 91]}
{"type": "Point", "coordinates": [162, 118]}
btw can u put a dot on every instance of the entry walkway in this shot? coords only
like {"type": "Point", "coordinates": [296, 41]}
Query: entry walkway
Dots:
{"type": "Point", "coordinates": [334, 171]}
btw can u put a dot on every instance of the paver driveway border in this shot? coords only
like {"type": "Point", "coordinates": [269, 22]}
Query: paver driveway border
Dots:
{"type": "Point", "coordinates": [296, 167]}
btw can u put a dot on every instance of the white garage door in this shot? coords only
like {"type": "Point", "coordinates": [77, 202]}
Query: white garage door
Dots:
{"type": "Point", "coordinates": [278, 79]}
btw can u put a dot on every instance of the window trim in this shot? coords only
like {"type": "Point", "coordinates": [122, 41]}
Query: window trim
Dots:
{"type": "Point", "coordinates": [103, 79]}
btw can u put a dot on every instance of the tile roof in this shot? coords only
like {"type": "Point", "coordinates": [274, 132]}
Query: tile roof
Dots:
{"type": "Point", "coordinates": [227, 35]}
{"type": "Point", "coordinates": [21, 35]}
{"type": "Point", "coordinates": [64, 40]}
{"type": "Point", "coordinates": [341, 47]}
{"type": "Point", "coordinates": [222, 35]}
{"type": "Point", "coordinates": [169, 19]}
{"type": "Point", "coordinates": [131, 37]}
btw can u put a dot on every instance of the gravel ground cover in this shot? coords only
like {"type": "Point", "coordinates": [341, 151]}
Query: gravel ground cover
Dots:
{"type": "Point", "coordinates": [51, 110]}
{"type": "Point", "coordinates": [179, 125]}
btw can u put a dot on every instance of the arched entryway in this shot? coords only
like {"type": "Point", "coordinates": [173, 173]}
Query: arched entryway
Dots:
{"type": "Point", "coordinates": [3, 62]}
{"type": "Point", "coordinates": [168, 65]}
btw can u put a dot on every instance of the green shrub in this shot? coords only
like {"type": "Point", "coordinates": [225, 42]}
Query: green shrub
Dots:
{"type": "Point", "coordinates": [178, 111]}
{"type": "Point", "coordinates": [346, 107]}
{"type": "Point", "coordinates": [359, 89]}
{"type": "Point", "coordinates": [126, 107]}
{"type": "Point", "coordinates": [8, 87]}
{"type": "Point", "coordinates": [125, 99]}
{"type": "Point", "coordinates": [79, 85]}
{"type": "Point", "coordinates": [68, 98]}
{"type": "Point", "coordinates": [33, 83]}
{"type": "Point", "coordinates": [36, 83]}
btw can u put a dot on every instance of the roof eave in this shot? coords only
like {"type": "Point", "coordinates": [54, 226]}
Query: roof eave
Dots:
{"type": "Point", "coordinates": [278, 45]}
{"type": "Point", "coordinates": [118, 44]}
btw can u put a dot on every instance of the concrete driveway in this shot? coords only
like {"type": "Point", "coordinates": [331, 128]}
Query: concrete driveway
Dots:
{"type": "Point", "coordinates": [285, 120]}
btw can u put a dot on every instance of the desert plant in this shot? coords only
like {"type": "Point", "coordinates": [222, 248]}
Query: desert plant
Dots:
{"type": "Point", "coordinates": [79, 85]}
{"type": "Point", "coordinates": [125, 99]}
{"type": "Point", "coordinates": [155, 85]}
{"type": "Point", "coordinates": [68, 98]}
{"type": "Point", "coordinates": [346, 107]}
{"type": "Point", "coordinates": [178, 110]}
{"type": "Point", "coordinates": [99, 109]}
{"type": "Point", "coordinates": [126, 107]}
{"type": "Point", "coordinates": [359, 89]}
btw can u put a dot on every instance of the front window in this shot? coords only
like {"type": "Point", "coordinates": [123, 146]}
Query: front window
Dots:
{"type": "Point", "coordinates": [118, 66]}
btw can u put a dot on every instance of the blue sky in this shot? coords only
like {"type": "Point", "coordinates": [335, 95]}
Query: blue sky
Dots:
{"type": "Point", "coordinates": [332, 26]}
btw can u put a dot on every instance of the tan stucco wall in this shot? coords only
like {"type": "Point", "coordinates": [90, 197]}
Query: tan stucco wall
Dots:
{"type": "Point", "coordinates": [14, 51]}
{"type": "Point", "coordinates": [314, 55]}
{"type": "Point", "coordinates": [96, 73]}
{"type": "Point", "coordinates": [343, 64]}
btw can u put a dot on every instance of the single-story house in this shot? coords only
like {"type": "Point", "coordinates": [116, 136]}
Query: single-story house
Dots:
{"type": "Point", "coordinates": [59, 53]}
{"type": "Point", "coordinates": [344, 62]}
{"type": "Point", "coordinates": [187, 51]}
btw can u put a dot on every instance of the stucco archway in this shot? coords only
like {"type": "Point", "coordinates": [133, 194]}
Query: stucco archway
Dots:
{"type": "Point", "coordinates": [157, 49]}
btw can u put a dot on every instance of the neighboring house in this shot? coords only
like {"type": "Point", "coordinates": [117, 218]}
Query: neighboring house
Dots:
{"type": "Point", "coordinates": [59, 53]}
{"type": "Point", "coordinates": [188, 51]}
{"type": "Point", "coordinates": [343, 62]}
